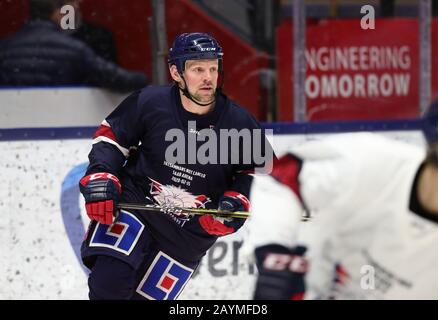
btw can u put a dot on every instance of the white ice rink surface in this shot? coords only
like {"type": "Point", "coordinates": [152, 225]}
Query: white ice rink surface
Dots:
{"type": "Point", "coordinates": [37, 257]}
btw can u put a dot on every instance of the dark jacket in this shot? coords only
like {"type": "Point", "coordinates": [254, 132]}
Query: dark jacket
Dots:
{"type": "Point", "coordinates": [143, 121]}
{"type": "Point", "coordinates": [41, 54]}
{"type": "Point", "coordinates": [97, 38]}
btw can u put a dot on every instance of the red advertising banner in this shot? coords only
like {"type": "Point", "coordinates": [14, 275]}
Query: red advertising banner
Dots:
{"type": "Point", "coordinates": [353, 74]}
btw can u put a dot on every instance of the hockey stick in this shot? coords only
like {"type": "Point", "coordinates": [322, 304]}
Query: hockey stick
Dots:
{"type": "Point", "coordinates": [178, 210]}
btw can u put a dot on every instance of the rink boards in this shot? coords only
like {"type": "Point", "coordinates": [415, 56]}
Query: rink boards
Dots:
{"type": "Point", "coordinates": [43, 221]}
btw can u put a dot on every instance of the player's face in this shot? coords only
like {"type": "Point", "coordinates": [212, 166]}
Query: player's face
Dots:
{"type": "Point", "coordinates": [201, 77]}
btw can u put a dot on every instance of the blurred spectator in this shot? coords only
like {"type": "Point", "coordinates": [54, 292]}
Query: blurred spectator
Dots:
{"type": "Point", "coordinates": [387, 8]}
{"type": "Point", "coordinates": [41, 54]}
{"type": "Point", "coordinates": [95, 36]}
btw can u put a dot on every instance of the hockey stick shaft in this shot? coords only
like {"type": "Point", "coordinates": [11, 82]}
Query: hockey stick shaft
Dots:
{"type": "Point", "coordinates": [196, 211]}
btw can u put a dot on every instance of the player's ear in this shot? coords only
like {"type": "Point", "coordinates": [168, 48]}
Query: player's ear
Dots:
{"type": "Point", "coordinates": [174, 73]}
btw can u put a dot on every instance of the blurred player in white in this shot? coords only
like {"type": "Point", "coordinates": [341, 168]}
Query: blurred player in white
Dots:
{"type": "Point", "coordinates": [373, 231]}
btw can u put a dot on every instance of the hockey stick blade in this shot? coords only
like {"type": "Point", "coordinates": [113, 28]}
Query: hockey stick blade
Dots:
{"type": "Point", "coordinates": [195, 211]}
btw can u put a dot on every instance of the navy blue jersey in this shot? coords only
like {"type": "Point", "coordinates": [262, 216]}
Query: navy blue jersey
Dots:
{"type": "Point", "coordinates": [131, 144]}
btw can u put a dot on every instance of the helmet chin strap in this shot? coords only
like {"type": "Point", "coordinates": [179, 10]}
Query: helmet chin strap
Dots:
{"type": "Point", "coordinates": [432, 156]}
{"type": "Point", "coordinates": [186, 92]}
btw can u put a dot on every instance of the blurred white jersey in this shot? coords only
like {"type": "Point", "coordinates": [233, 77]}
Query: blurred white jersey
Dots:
{"type": "Point", "coordinates": [358, 189]}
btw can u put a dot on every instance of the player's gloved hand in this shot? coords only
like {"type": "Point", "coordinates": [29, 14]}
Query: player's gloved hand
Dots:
{"type": "Point", "coordinates": [230, 201]}
{"type": "Point", "coordinates": [281, 273]}
{"type": "Point", "coordinates": [102, 194]}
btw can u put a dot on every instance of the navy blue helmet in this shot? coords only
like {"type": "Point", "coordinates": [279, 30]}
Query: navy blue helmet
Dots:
{"type": "Point", "coordinates": [194, 46]}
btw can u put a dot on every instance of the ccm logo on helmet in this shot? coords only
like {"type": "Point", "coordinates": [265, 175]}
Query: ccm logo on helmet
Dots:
{"type": "Point", "coordinates": [208, 49]}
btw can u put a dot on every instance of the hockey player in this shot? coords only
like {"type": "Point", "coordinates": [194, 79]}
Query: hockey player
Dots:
{"type": "Point", "coordinates": [153, 255]}
{"type": "Point", "coordinates": [373, 230]}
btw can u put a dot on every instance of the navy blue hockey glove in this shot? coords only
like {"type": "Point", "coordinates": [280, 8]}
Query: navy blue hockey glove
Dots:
{"type": "Point", "coordinates": [281, 273]}
{"type": "Point", "coordinates": [218, 226]}
{"type": "Point", "coordinates": [102, 194]}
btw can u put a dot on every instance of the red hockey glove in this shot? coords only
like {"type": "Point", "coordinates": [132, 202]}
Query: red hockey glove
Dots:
{"type": "Point", "coordinates": [218, 226]}
{"type": "Point", "coordinates": [102, 194]}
